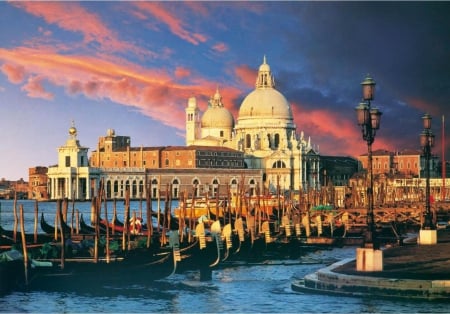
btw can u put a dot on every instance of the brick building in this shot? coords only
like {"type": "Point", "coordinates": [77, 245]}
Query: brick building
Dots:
{"type": "Point", "coordinates": [37, 183]}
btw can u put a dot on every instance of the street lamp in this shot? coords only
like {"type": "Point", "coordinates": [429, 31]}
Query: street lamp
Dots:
{"type": "Point", "coordinates": [427, 142]}
{"type": "Point", "coordinates": [369, 120]}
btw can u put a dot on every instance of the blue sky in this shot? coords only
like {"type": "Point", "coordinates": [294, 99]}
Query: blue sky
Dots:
{"type": "Point", "coordinates": [131, 66]}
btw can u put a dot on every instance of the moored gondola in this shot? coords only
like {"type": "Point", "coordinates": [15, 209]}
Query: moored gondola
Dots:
{"type": "Point", "coordinates": [137, 266]}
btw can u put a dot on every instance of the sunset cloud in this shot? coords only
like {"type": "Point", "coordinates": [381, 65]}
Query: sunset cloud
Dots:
{"type": "Point", "coordinates": [151, 91]}
{"type": "Point", "coordinates": [35, 89]}
{"type": "Point", "coordinates": [246, 75]}
{"type": "Point", "coordinates": [220, 47]}
{"type": "Point", "coordinates": [72, 17]}
{"type": "Point", "coordinates": [181, 72]}
{"type": "Point", "coordinates": [173, 22]}
{"type": "Point", "coordinates": [15, 73]}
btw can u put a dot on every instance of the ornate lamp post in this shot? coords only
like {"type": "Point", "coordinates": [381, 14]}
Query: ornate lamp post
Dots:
{"type": "Point", "coordinates": [369, 121]}
{"type": "Point", "coordinates": [427, 142]}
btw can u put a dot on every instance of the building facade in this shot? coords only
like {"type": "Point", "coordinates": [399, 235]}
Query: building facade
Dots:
{"type": "Point", "coordinates": [264, 131]}
{"type": "Point", "coordinates": [72, 177]}
{"type": "Point", "coordinates": [37, 183]}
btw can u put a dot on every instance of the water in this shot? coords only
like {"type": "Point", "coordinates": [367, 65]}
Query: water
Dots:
{"type": "Point", "coordinates": [262, 288]}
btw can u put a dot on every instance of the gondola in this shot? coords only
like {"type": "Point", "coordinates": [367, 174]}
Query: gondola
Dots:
{"type": "Point", "coordinates": [7, 237]}
{"type": "Point", "coordinates": [49, 229]}
{"type": "Point", "coordinates": [137, 266]}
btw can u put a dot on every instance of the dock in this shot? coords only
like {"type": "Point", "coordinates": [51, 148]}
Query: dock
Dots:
{"type": "Point", "coordinates": [410, 271]}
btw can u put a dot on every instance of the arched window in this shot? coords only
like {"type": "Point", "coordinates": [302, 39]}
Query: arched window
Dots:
{"type": "Point", "coordinates": [108, 189]}
{"type": "Point", "coordinates": [279, 164]}
{"type": "Point", "coordinates": [215, 186]}
{"type": "Point", "coordinates": [248, 141]}
{"type": "Point", "coordinates": [134, 189]}
{"type": "Point", "coordinates": [195, 184]}
{"type": "Point", "coordinates": [154, 188]}
{"type": "Point", "coordinates": [175, 188]}
{"type": "Point", "coordinates": [277, 140]}
{"type": "Point", "coordinates": [116, 188]}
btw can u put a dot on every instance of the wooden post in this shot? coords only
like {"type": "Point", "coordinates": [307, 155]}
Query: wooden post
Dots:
{"type": "Point", "coordinates": [73, 214]}
{"type": "Point", "coordinates": [77, 217]}
{"type": "Point", "coordinates": [114, 216]}
{"type": "Point", "coordinates": [35, 220]}
{"type": "Point", "coordinates": [24, 244]}
{"type": "Point", "coordinates": [159, 203]}
{"type": "Point", "coordinates": [148, 200]}
{"type": "Point", "coordinates": [58, 205]}
{"type": "Point", "coordinates": [63, 237]}
{"type": "Point", "coordinates": [125, 220]}
{"type": "Point", "coordinates": [107, 229]}
{"type": "Point", "coordinates": [15, 217]}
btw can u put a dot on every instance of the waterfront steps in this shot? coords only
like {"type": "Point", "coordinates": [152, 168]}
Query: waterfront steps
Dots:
{"type": "Point", "coordinates": [411, 271]}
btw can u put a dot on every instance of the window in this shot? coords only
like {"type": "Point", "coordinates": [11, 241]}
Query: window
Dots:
{"type": "Point", "coordinates": [67, 161]}
{"type": "Point", "coordinates": [279, 164]}
{"type": "Point", "coordinates": [221, 133]}
{"type": "Point", "coordinates": [248, 141]}
{"type": "Point", "coordinates": [277, 140]}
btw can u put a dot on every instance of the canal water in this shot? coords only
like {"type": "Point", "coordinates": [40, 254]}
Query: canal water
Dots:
{"type": "Point", "coordinates": [239, 288]}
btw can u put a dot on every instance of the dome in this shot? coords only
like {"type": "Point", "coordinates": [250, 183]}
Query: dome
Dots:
{"type": "Point", "coordinates": [217, 117]}
{"type": "Point", "coordinates": [265, 103]}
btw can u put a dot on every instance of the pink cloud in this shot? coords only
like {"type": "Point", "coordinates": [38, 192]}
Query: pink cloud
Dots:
{"type": "Point", "coordinates": [246, 74]}
{"type": "Point", "coordinates": [15, 73]}
{"type": "Point", "coordinates": [73, 17]}
{"type": "Point", "coordinates": [337, 135]}
{"type": "Point", "coordinates": [153, 92]}
{"type": "Point", "coordinates": [174, 23]}
{"type": "Point", "coordinates": [181, 72]}
{"type": "Point", "coordinates": [220, 47]}
{"type": "Point", "coordinates": [35, 89]}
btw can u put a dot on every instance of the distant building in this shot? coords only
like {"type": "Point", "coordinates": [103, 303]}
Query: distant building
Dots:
{"type": "Point", "coordinates": [72, 177]}
{"type": "Point", "coordinates": [37, 183]}
{"type": "Point", "coordinates": [337, 170]}
{"type": "Point", "coordinates": [407, 163]}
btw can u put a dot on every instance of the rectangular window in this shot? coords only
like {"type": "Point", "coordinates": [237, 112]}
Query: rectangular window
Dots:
{"type": "Point", "coordinates": [67, 161]}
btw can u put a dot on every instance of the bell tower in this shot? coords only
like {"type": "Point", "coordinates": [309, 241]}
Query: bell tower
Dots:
{"type": "Point", "coordinates": [193, 122]}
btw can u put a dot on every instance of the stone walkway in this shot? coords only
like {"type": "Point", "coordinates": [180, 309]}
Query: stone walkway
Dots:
{"type": "Point", "coordinates": [409, 271]}
{"type": "Point", "coordinates": [412, 261]}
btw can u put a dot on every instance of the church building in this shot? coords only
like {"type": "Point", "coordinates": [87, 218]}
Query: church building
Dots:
{"type": "Point", "coordinates": [264, 131]}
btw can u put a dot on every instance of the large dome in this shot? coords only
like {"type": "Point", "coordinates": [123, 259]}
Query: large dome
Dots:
{"type": "Point", "coordinates": [265, 103]}
{"type": "Point", "coordinates": [217, 117]}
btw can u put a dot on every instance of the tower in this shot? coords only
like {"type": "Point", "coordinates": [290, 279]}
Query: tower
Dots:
{"type": "Point", "coordinates": [193, 122]}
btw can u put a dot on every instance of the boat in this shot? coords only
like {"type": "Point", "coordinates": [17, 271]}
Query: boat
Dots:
{"type": "Point", "coordinates": [136, 266]}
{"type": "Point", "coordinates": [7, 237]}
{"type": "Point", "coordinates": [49, 229]}
{"type": "Point", "coordinates": [11, 271]}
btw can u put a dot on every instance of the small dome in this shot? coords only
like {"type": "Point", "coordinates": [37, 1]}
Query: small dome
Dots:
{"type": "Point", "coordinates": [217, 117]}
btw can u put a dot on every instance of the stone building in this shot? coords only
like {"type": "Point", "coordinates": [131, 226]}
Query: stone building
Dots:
{"type": "Point", "coordinates": [264, 131]}
{"type": "Point", "coordinates": [72, 177]}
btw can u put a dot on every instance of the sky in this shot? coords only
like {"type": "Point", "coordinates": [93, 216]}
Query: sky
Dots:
{"type": "Point", "coordinates": [131, 67]}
